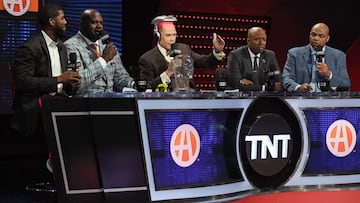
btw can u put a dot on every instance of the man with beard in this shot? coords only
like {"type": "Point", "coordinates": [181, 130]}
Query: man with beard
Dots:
{"type": "Point", "coordinates": [39, 68]}
{"type": "Point", "coordinates": [100, 68]}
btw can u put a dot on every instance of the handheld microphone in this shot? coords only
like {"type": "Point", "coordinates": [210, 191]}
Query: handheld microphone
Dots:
{"type": "Point", "coordinates": [72, 57]}
{"type": "Point", "coordinates": [174, 51]}
{"type": "Point", "coordinates": [273, 73]}
{"type": "Point", "coordinates": [103, 37]}
{"type": "Point", "coordinates": [221, 79]}
{"type": "Point", "coordinates": [319, 53]}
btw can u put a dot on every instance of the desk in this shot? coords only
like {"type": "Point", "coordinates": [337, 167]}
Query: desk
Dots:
{"type": "Point", "coordinates": [111, 147]}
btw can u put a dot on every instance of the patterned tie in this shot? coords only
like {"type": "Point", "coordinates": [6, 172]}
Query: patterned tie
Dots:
{"type": "Point", "coordinates": [96, 51]}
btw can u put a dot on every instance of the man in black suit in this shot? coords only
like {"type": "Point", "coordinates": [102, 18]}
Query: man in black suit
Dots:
{"type": "Point", "coordinates": [155, 66]}
{"type": "Point", "coordinates": [39, 68]}
{"type": "Point", "coordinates": [253, 66]}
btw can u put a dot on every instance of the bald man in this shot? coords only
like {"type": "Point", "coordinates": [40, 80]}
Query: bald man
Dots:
{"type": "Point", "coordinates": [154, 65]}
{"type": "Point", "coordinates": [100, 66]}
{"type": "Point", "coordinates": [252, 66]}
{"type": "Point", "coordinates": [308, 67]}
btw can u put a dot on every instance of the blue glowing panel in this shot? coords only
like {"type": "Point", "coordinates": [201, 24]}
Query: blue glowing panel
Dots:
{"type": "Point", "coordinates": [340, 155]}
{"type": "Point", "coordinates": [215, 162]}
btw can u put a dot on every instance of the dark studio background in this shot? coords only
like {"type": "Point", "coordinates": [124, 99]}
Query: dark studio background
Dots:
{"type": "Point", "coordinates": [291, 22]}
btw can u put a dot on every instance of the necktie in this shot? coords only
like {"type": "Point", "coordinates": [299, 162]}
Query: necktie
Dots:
{"type": "Point", "coordinates": [256, 64]}
{"type": "Point", "coordinates": [96, 51]}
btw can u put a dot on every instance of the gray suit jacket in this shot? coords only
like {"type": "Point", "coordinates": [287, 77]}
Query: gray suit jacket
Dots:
{"type": "Point", "coordinates": [32, 73]}
{"type": "Point", "coordinates": [240, 67]}
{"type": "Point", "coordinates": [298, 67]}
{"type": "Point", "coordinates": [95, 78]}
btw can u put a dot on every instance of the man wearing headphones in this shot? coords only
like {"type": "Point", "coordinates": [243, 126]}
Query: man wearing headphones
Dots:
{"type": "Point", "coordinates": [155, 66]}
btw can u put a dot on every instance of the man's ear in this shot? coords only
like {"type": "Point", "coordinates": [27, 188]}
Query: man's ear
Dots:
{"type": "Point", "coordinates": [51, 21]}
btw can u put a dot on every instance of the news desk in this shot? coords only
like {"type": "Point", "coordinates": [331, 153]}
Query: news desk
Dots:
{"type": "Point", "coordinates": [200, 147]}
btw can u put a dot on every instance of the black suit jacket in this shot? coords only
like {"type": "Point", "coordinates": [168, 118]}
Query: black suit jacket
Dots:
{"type": "Point", "coordinates": [240, 66]}
{"type": "Point", "coordinates": [31, 70]}
{"type": "Point", "coordinates": [152, 63]}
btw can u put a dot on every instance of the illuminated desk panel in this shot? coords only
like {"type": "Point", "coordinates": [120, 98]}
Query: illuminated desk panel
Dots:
{"type": "Point", "coordinates": [200, 147]}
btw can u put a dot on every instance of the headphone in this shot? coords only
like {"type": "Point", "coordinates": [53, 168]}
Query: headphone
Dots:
{"type": "Point", "coordinates": [162, 18]}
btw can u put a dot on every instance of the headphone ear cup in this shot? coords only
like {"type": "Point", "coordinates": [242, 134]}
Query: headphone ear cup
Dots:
{"type": "Point", "coordinates": [157, 34]}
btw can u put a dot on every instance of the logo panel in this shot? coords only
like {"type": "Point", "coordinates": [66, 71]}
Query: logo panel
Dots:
{"type": "Point", "coordinates": [269, 144]}
{"type": "Point", "coordinates": [185, 145]}
{"type": "Point", "coordinates": [341, 138]}
{"type": "Point", "coordinates": [19, 7]}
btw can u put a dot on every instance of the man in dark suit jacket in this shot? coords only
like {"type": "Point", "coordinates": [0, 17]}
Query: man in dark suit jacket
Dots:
{"type": "Point", "coordinates": [305, 66]}
{"type": "Point", "coordinates": [154, 65]}
{"type": "Point", "coordinates": [39, 68]}
{"type": "Point", "coordinates": [252, 66]}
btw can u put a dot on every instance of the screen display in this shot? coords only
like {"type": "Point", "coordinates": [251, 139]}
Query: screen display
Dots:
{"type": "Point", "coordinates": [190, 147]}
{"type": "Point", "coordinates": [215, 161]}
{"type": "Point", "coordinates": [334, 141]}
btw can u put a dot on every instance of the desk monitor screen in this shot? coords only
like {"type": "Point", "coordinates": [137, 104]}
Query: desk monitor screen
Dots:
{"type": "Point", "coordinates": [191, 152]}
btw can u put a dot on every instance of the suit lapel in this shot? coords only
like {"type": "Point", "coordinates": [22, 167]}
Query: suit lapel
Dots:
{"type": "Point", "coordinates": [45, 50]}
{"type": "Point", "coordinates": [308, 60]}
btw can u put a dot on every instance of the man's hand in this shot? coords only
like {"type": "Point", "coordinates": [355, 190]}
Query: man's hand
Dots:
{"type": "Point", "coordinates": [323, 69]}
{"type": "Point", "coordinates": [109, 52]}
{"type": "Point", "coordinates": [71, 77]}
{"type": "Point", "coordinates": [170, 69]}
{"type": "Point", "coordinates": [246, 82]}
{"type": "Point", "coordinates": [218, 43]}
{"type": "Point", "coordinates": [305, 87]}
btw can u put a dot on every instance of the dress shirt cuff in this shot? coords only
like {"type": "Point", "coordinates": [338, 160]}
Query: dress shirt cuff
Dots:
{"type": "Point", "coordinates": [59, 87]}
{"type": "Point", "coordinates": [164, 78]}
{"type": "Point", "coordinates": [219, 56]}
{"type": "Point", "coordinates": [102, 62]}
{"type": "Point", "coordinates": [330, 75]}
{"type": "Point", "coordinates": [297, 87]}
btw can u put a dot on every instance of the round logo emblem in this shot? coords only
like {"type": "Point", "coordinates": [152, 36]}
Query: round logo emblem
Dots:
{"type": "Point", "coordinates": [16, 7]}
{"type": "Point", "coordinates": [341, 138]}
{"type": "Point", "coordinates": [185, 145]}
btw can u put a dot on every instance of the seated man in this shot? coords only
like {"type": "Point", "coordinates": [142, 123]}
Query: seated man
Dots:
{"type": "Point", "coordinates": [101, 69]}
{"type": "Point", "coordinates": [252, 66]}
{"type": "Point", "coordinates": [310, 66]}
{"type": "Point", "coordinates": [155, 66]}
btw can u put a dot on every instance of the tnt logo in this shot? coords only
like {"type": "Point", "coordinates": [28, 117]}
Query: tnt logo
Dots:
{"type": "Point", "coordinates": [19, 7]}
{"type": "Point", "coordinates": [268, 146]}
{"type": "Point", "coordinates": [341, 138]}
{"type": "Point", "coordinates": [185, 145]}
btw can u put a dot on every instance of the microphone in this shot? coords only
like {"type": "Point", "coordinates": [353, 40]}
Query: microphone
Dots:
{"type": "Point", "coordinates": [174, 51]}
{"type": "Point", "coordinates": [273, 73]}
{"type": "Point", "coordinates": [319, 53]}
{"type": "Point", "coordinates": [72, 57]}
{"type": "Point", "coordinates": [221, 79]}
{"type": "Point", "coordinates": [103, 37]}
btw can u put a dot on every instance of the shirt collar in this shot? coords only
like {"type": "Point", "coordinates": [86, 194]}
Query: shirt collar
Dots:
{"type": "Point", "coordinates": [312, 50]}
{"type": "Point", "coordinates": [48, 40]}
{"type": "Point", "coordinates": [88, 42]}
{"type": "Point", "coordinates": [162, 50]}
{"type": "Point", "coordinates": [252, 55]}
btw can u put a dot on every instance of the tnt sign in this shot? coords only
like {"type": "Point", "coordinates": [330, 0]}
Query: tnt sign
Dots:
{"type": "Point", "coordinates": [269, 146]}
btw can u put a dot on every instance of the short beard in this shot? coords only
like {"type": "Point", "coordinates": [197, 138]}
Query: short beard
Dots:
{"type": "Point", "coordinates": [60, 33]}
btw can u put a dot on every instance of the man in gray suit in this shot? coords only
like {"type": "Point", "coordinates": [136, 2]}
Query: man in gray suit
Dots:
{"type": "Point", "coordinates": [100, 66]}
{"type": "Point", "coordinates": [253, 66]}
{"type": "Point", "coordinates": [309, 66]}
